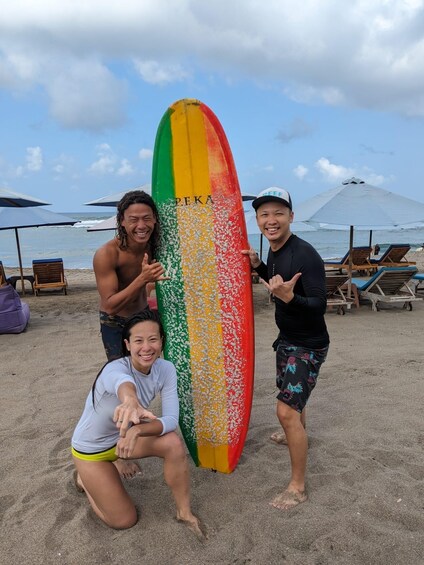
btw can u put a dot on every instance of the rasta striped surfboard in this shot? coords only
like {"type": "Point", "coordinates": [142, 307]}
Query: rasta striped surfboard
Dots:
{"type": "Point", "coordinates": [206, 306]}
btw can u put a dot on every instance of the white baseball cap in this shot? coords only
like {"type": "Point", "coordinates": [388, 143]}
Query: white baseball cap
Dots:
{"type": "Point", "coordinates": [272, 194]}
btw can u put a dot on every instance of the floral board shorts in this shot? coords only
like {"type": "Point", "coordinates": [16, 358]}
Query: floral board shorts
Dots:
{"type": "Point", "coordinates": [297, 372]}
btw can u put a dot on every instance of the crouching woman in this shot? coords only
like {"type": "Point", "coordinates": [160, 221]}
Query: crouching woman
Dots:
{"type": "Point", "coordinates": [115, 424]}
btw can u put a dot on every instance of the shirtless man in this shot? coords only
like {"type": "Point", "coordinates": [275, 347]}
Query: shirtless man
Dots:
{"type": "Point", "coordinates": [124, 266]}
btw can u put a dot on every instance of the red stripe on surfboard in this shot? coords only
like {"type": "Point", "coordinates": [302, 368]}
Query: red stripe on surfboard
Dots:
{"type": "Point", "coordinates": [236, 296]}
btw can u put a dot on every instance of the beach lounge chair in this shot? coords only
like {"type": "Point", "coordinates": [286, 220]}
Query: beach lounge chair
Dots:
{"type": "Point", "coordinates": [13, 280]}
{"type": "Point", "coordinates": [14, 314]}
{"type": "Point", "coordinates": [49, 274]}
{"type": "Point", "coordinates": [394, 256]}
{"type": "Point", "coordinates": [360, 261]}
{"type": "Point", "coordinates": [335, 294]}
{"type": "Point", "coordinates": [389, 285]}
{"type": "Point", "coordinates": [418, 280]}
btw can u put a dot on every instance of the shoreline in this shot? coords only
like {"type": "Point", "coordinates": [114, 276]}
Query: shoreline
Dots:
{"type": "Point", "coordinates": [415, 256]}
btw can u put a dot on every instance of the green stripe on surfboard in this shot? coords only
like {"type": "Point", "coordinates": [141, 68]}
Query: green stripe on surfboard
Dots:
{"type": "Point", "coordinates": [171, 296]}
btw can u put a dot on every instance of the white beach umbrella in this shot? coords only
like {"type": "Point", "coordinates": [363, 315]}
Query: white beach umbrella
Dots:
{"type": "Point", "coordinates": [11, 199]}
{"type": "Point", "coordinates": [109, 224]}
{"type": "Point", "coordinates": [358, 205]}
{"type": "Point", "coordinates": [113, 199]}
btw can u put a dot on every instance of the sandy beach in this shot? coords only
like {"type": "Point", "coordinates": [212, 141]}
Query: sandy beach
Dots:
{"type": "Point", "coordinates": [366, 458]}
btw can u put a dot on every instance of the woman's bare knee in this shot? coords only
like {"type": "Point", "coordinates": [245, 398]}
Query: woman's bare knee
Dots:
{"type": "Point", "coordinates": [173, 445]}
{"type": "Point", "coordinates": [124, 522]}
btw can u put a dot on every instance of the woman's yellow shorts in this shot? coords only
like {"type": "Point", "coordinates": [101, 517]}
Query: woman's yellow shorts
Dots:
{"type": "Point", "coordinates": [108, 455]}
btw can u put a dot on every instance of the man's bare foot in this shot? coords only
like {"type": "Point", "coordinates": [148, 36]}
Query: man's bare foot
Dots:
{"type": "Point", "coordinates": [195, 525]}
{"type": "Point", "coordinates": [279, 437]}
{"type": "Point", "coordinates": [77, 482]}
{"type": "Point", "coordinates": [127, 469]}
{"type": "Point", "coordinates": [289, 499]}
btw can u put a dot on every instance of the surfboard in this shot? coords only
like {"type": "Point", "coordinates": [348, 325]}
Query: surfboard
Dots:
{"type": "Point", "coordinates": [206, 306]}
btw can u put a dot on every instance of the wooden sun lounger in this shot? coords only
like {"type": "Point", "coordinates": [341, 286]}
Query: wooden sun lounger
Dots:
{"type": "Point", "coordinates": [389, 285]}
{"type": "Point", "coordinates": [360, 261]}
{"type": "Point", "coordinates": [49, 274]}
{"type": "Point", "coordinates": [334, 291]}
{"type": "Point", "coordinates": [394, 256]}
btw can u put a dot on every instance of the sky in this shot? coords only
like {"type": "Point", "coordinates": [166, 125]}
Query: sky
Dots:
{"type": "Point", "coordinates": [309, 93]}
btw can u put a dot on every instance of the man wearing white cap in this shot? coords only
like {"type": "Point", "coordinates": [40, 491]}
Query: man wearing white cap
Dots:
{"type": "Point", "coordinates": [295, 276]}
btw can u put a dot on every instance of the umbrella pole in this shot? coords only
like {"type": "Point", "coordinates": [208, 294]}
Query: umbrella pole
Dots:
{"type": "Point", "coordinates": [349, 283]}
{"type": "Point", "coordinates": [20, 261]}
{"type": "Point", "coordinates": [370, 238]}
{"type": "Point", "coordinates": [261, 246]}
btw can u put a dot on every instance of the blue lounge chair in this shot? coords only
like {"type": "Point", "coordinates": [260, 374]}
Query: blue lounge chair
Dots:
{"type": "Point", "coordinates": [389, 285]}
{"type": "Point", "coordinates": [418, 279]}
{"type": "Point", "coordinates": [394, 256]}
{"type": "Point", "coordinates": [360, 260]}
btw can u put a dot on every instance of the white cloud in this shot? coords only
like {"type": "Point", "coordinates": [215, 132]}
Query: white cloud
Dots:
{"type": "Point", "coordinates": [359, 54]}
{"type": "Point", "coordinates": [104, 147]}
{"type": "Point", "coordinates": [145, 154]}
{"type": "Point", "coordinates": [63, 165]}
{"type": "Point", "coordinates": [86, 95]}
{"type": "Point", "coordinates": [34, 159]}
{"type": "Point", "coordinates": [33, 164]}
{"type": "Point", "coordinates": [376, 179]}
{"type": "Point", "coordinates": [105, 164]}
{"type": "Point", "coordinates": [108, 162]}
{"type": "Point", "coordinates": [300, 171]}
{"type": "Point", "coordinates": [125, 168]}
{"type": "Point", "coordinates": [18, 69]}
{"type": "Point", "coordinates": [339, 173]}
{"type": "Point", "coordinates": [155, 72]}
{"type": "Point", "coordinates": [332, 172]}
{"type": "Point", "coordinates": [297, 129]}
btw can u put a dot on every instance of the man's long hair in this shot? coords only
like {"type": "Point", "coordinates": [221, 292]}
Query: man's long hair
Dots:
{"type": "Point", "coordinates": [136, 197]}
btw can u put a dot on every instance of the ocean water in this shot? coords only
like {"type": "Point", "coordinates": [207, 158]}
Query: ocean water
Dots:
{"type": "Point", "coordinates": [77, 246]}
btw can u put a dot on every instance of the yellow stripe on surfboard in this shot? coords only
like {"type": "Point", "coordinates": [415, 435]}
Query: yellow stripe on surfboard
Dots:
{"type": "Point", "coordinates": [191, 177]}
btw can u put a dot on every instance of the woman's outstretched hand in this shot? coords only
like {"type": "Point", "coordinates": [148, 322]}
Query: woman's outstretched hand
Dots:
{"type": "Point", "coordinates": [130, 412]}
